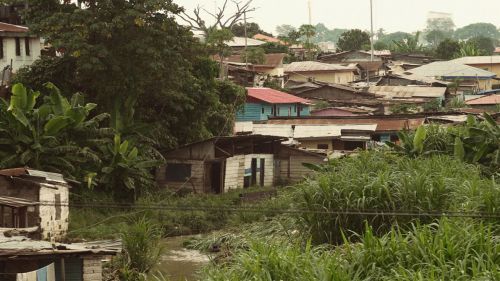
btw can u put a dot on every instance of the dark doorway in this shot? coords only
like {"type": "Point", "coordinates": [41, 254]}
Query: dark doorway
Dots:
{"type": "Point", "coordinates": [254, 171]}
{"type": "Point", "coordinates": [216, 177]}
{"type": "Point", "coordinates": [262, 166]}
{"type": "Point", "coordinates": [353, 145]}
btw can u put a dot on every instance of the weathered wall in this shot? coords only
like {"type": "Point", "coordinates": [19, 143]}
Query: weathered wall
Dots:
{"type": "Point", "coordinates": [268, 167]}
{"type": "Point", "coordinates": [313, 144]}
{"type": "Point", "coordinates": [292, 170]}
{"type": "Point", "coordinates": [196, 180]}
{"type": "Point", "coordinates": [92, 268]}
{"type": "Point", "coordinates": [54, 214]}
{"type": "Point", "coordinates": [235, 172]}
{"type": "Point", "coordinates": [327, 77]}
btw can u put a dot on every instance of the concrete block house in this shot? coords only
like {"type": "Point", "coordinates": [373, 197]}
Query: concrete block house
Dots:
{"type": "Point", "coordinates": [31, 198]}
{"type": "Point", "coordinates": [262, 103]}
{"type": "Point", "coordinates": [34, 216]}
{"type": "Point", "coordinates": [221, 164]}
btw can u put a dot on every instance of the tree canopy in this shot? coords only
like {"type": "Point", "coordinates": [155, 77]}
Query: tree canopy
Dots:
{"type": "Point", "coordinates": [477, 29]}
{"type": "Point", "coordinates": [135, 61]}
{"type": "Point", "coordinates": [354, 39]}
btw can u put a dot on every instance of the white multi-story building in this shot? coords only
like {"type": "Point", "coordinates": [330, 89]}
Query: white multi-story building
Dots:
{"type": "Point", "coordinates": [18, 48]}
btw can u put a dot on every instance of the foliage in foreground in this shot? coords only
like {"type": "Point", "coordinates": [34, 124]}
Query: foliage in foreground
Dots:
{"type": "Point", "coordinates": [445, 250]}
{"type": "Point", "coordinates": [386, 182]}
{"type": "Point", "coordinates": [141, 251]}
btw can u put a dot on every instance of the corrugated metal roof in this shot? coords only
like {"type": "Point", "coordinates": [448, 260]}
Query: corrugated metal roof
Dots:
{"type": "Point", "coordinates": [291, 131]}
{"type": "Point", "coordinates": [408, 92]}
{"type": "Point", "coordinates": [23, 246]}
{"type": "Point", "coordinates": [6, 27]}
{"type": "Point", "coordinates": [450, 69]}
{"type": "Point", "coordinates": [486, 100]}
{"type": "Point", "coordinates": [17, 172]}
{"type": "Point", "coordinates": [383, 124]}
{"type": "Point", "coordinates": [240, 42]}
{"type": "Point", "coordinates": [311, 66]}
{"type": "Point", "coordinates": [272, 96]}
{"type": "Point", "coordinates": [478, 60]}
{"type": "Point", "coordinates": [266, 38]}
{"type": "Point", "coordinates": [16, 202]}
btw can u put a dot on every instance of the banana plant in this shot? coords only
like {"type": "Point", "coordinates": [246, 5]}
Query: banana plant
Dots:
{"type": "Point", "coordinates": [125, 171]}
{"type": "Point", "coordinates": [411, 144]}
{"type": "Point", "coordinates": [480, 142]}
{"type": "Point", "coordinates": [41, 136]}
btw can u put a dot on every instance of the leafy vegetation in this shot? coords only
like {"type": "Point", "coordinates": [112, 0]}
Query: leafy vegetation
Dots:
{"type": "Point", "coordinates": [354, 39]}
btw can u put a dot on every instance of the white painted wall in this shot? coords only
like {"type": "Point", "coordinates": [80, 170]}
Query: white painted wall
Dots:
{"type": "Point", "coordinates": [235, 169]}
{"type": "Point", "coordinates": [9, 52]}
{"type": "Point", "coordinates": [268, 169]}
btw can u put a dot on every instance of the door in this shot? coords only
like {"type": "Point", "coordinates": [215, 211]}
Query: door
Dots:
{"type": "Point", "coordinates": [254, 172]}
{"type": "Point", "coordinates": [216, 177]}
{"type": "Point", "coordinates": [262, 175]}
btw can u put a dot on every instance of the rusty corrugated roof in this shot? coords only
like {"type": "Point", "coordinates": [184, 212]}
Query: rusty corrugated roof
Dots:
{"type": "Point", "coordinates": [486, 100]}
{"type": "Point", "coordinates": [16, 202]}
{"type": "Point", "coordinates": [383, 124]}
{"type": "Point", "coordinates": [7, 27]}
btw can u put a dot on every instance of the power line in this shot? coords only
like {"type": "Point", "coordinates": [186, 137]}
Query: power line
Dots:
{"type": "Point", "coordinates": [258, 209]}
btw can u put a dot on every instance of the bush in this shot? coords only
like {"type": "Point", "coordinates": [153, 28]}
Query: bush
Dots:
{"type": "Point", "coordinates": [446, 250]}
{"type": "Point", "coordinates": [379, 181]}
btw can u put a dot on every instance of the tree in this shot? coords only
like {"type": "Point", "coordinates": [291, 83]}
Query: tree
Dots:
{"type": "Point", "coordinates": [135, 61]}
{"type": "Point", "coordinates": [196, 21]}
{"type": "Point", "coordinates": [255, 55]}
{"type": "Point", "coordinates": [274, 48]}
{"type": "Point", "coordinates": [252, 29]}
{"type": "Point", "coordinates": [380, 45]}
{"type": "Point", "coordinates": [308, 31]}
{"type": "Point", "coordinates": [434, 37]}
{"type": "Point", "coordinates": [477, 29]}
{"type": "Point", "coordinates": [354, 39]}
{"type": "Point", "coordinates": [285, 29]}
{"type": "Point", "coordinates": [408, 45]}
{"type": "Point", "coordinates": [445, 25]}
{"type": "Point", "coordinates": [485, 45]}
{"type": "Point", "coordinates": [216, 40]}
{"type": "Point", "coordinates": [448, 49]}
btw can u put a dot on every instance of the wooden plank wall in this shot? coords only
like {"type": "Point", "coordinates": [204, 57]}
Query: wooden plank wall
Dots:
{"type": "Point", "coordinates": [196, 180]}
{"type": "Point", "coordinates": [235, 170]}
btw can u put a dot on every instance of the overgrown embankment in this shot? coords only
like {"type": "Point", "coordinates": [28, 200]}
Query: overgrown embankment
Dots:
{"type": "Point", "coordinates": [407, 240]}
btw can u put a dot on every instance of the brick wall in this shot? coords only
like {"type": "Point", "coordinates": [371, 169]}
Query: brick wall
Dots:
{"type": "Point", "coordinates": [92, 268]}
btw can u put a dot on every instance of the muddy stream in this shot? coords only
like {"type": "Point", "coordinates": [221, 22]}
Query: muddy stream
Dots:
{"type": "Point", "coordinates": [181, 264]}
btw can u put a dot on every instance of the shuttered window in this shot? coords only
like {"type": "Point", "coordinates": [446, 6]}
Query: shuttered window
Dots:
{"type": "Point", "coordinates": [27, 46]}
{"type": "Point", "coordinates": [18, 46]}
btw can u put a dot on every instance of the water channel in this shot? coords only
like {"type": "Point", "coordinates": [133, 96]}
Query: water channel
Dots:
{"type": "Point", "coordinates": [179, 263]}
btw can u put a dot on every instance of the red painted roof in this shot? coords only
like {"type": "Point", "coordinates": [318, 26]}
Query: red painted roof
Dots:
{"type": "Point", "coordinates": [490, 99]}
{"type": "Point", "coordinates": [274, 96]}
{"type": "Point", "coordinates": [7, 27]}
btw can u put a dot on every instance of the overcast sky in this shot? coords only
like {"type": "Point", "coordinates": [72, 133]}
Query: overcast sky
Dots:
{"type": "Point", "coordinates": [391, 15]}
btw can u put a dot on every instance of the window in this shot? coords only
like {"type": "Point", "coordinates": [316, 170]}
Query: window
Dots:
{"type": "Point", "coordinates": [263, 111]}
{"type": "Point", "coordinates": [27, 46]}
{"type": "Point", "coordinates": [272, 110]}
{"type": "Point", "coordinates": [58, 206]}
{"type": "Point", "coordinates": [18, 46]}
{"type": "Point", "coordinates": [295, 108]}
{"type": "Point", "coordinates": [178, 172]}
{"type": "Point", "coordinates": [323, 146]}
{"type": "Point", "coordinates": [1, 48]}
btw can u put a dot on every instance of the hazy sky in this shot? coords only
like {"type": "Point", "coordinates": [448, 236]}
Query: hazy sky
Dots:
{"type": "Point", "coordinates": [391, 15]}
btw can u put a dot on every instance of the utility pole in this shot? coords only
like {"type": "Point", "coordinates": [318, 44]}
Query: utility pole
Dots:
{"type": "Point", "coordinates": [371, 25]}
{"type": "Point", "coordinates": [310, 11]}
{"type": "Point", "coordinates": [246, 42]}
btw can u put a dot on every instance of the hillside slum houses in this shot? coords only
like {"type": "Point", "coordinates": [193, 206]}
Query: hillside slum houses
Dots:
{"type": "Point", "coordinates": [34, 218]}
{"type": "Point", "coordinates": [325, 108]}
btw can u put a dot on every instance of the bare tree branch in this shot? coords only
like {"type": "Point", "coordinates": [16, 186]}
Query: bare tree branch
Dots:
{"type": "Point", "coordinates": [221, 21]}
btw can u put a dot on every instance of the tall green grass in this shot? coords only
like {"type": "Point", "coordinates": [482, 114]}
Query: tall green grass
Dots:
{"type": "Point", "coordinates": [380, 181]}
{"type": "Point", "coordinates": [447, 250]}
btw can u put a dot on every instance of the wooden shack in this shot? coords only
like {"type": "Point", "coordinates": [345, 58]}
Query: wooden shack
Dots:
{"type": "Point", "coordinates": [220, 164]}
